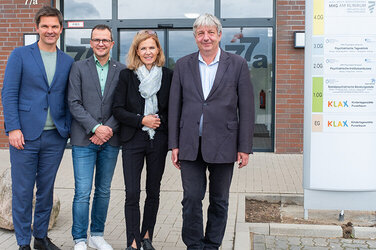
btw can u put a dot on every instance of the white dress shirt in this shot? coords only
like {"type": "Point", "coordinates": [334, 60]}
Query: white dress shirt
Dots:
{"type": "Point", "coordinates": [207, 74]}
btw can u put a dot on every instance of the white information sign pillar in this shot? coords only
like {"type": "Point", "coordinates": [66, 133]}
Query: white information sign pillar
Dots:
{"type": "Point", "coordinates": [340, 105]}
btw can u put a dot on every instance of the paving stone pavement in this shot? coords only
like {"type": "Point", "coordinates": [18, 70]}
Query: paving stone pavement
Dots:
{"type": "Point", "coordinates": [264, 242]}
{"type": "Point", "coordinates": [267, 173]}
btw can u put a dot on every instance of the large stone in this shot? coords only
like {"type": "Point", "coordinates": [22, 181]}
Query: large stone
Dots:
{"type": "Point", "coordinates": [6, 200]}
{"type": "Point", "coordinates": [6, 221]}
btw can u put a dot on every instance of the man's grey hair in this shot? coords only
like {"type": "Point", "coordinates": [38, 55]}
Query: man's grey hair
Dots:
{"type": "Point", "coordinates": [207, 20]}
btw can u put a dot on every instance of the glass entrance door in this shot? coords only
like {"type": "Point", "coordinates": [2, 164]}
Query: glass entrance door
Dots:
{"type": "Point", "coordinates": [255, 45]}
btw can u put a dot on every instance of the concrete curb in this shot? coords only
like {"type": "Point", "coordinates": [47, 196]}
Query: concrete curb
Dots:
{"type": "Point", "coordinates": [243, 229]}
{"type": "Point", "coordinates": [364, 232]}
{"type": "Point", "coordinates": [242, 237]}
{"type": "Point", "coordinates": [305, 230]}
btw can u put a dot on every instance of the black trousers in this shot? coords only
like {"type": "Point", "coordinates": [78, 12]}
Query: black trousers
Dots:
{"type": "Point", "coordinates": [193, 175]}
{"type": "Point", "coordinates": [134, 152]}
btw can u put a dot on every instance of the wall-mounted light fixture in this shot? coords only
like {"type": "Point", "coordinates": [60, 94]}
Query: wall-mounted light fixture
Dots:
{"type": "Point", "coordinates": [299, 39]}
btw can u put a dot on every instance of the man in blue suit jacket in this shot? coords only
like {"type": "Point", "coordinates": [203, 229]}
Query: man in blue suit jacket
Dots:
{"type": "Point", "coordinates": [37, 121]}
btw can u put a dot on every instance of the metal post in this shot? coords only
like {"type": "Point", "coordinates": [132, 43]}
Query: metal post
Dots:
{"type": "Point", "coordinates": [341, 216]}
{"type": "Point", "coordinates": [306, 214]}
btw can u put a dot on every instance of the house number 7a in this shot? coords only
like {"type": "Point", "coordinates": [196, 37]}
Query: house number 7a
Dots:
{"type": "Point", "coordinates": [31, 2]}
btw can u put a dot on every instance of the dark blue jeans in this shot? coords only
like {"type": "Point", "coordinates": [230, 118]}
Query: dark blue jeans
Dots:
{"type": "Point", "coordinates": [103, 159]}
{"type": "Point", "coordinates": [36, 164]}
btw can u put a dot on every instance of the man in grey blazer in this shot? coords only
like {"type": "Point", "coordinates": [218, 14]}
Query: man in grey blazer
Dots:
{"type": "Point", "coordinates": [94, 137]}
{"type": "Point", "coordinates": [211, 119]}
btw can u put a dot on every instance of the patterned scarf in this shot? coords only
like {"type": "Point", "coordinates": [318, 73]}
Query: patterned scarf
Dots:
{"type": "Point", "coordinates": [150, 85]}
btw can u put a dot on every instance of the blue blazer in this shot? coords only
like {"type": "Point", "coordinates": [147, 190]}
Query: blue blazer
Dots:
{"type": "Point", "coordinates": [26, 94]}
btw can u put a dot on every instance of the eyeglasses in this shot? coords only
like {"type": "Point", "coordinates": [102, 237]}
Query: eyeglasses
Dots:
{"type": "Point", "coordinates": [104, 41]}
{"type": "Point", "coordinates": [150, 32]}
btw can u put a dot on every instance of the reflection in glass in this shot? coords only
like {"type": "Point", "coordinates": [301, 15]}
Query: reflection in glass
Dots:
{"type": "Point", "coordinates": [87, 9]}
{"type": "Point", "coordinates": [126, 38]}
{"type": "Point", "coordinates": [247, 9]}
{"type": "Point", "coordinates": [77, 43]}
{"type": "Point", "coordinates": [164, 9]}
{"type": "Point", "coordinates": [255, 45]}
{"type": "Point", "coordinates": [181, 43]}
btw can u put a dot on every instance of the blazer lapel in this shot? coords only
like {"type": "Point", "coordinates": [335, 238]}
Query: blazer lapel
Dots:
{"type": "Point", "coordinates": [137, 83]}
{"type": "Point", "coordinates": [163, 92]}
{"type": "Point", "coordinates": [38, 59]}
{"type": "Point", "coordinates": [222, 67]}
{"type": "Point", "coordinates": [196, 74]}
{"type": "Point", "coordinates": [110, 75]}
{"type": "Point", "coordinates": [93, 72]}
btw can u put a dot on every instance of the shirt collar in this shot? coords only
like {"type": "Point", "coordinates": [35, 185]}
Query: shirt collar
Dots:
{"type": "Point", "coordinates": [97, 61]}
{"type": "Point", "coordinates": [216, 59]}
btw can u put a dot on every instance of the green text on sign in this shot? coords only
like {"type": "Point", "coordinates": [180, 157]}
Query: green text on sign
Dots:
{"type": "Point", "coordinates": [317, 94]}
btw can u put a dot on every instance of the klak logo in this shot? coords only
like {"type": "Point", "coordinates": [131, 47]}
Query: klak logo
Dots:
{"type": "Point", "coordinates": [371, 6]}
{"type": "Point", "coordinates": [338, 124]}
{"type": "Point", "coordinates": [373, 80]}
{"type": "Point", "coordinates": [338, 104]}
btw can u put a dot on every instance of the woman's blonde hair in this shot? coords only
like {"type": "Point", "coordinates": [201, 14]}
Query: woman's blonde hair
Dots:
{"type": "Point", "coordinates": [133, 60]}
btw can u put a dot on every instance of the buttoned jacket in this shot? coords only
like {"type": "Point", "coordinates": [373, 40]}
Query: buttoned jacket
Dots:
{"type": "Point", "coordinates": [86, 102]}
{"type": "Point", "coordinates": [26, 94]}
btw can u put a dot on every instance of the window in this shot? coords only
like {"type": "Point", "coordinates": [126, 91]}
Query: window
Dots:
{"type": "Point", "coordinates": [148, 9]}
{"type": "Point", "coordinates": [246, 9]}
{"type": "Point", "coordinates": [87, 9]}
{"type": "Point", "coordinates": [77, 43]}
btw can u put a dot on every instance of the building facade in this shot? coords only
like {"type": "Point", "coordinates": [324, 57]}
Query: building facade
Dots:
{"type": "Point", "coordinates": [260, 31]}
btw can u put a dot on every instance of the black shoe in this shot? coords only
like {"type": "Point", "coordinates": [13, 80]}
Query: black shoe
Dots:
{"type": "Point", "coordinates": [24, 247]}
{"type": "Point", "coordinates": [44, 244]}
{"type": "Point", "coordinates": [146, 244]}
{"type": "Point", "coordinates": [130, 248]}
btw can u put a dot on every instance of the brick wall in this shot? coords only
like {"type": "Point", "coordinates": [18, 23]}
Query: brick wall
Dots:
{"type": "Point", "coordinates": [16, 19]}
{"type": "Point", "coordinates": [289, 107]}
